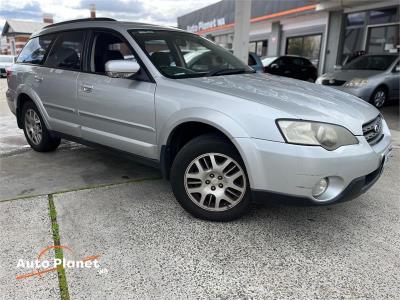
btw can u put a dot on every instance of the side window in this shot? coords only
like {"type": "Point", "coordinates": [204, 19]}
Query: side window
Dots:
{"type": "Point", "coordinates": [283, 62]}
{"type": "Point", "coordinates": [297, 61]}
{"type": "Point", "coordinates": [107, 46]}
{"type": "Point", "coordinates": [35, 50]}
{"type": "Point", "coordinates": [67, 51]}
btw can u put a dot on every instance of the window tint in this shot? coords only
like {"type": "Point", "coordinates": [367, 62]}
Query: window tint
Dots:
{"type": "Point", "coordinates": [298, 61]}
{"type": "Point", "coordinates": [107, 46]}
{"type": "Point", "coordinates": [283, 61]}
{"type": "Point", "coordinates": [35, 50]}
{"type": "Point", "coordinates": [67, 51]}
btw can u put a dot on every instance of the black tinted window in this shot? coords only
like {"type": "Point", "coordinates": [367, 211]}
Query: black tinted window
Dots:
{"type": "Point", "coordinates": [35, 50]}
{"type": "Point", "coordinates": [67, 51]}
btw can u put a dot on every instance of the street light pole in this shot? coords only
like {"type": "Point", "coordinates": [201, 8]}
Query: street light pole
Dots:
{"type": "Point", "coordinates": [242, 29]}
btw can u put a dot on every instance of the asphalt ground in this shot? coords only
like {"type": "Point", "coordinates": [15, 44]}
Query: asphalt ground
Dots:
{"type": "Point", "coordinates": [147, 246]}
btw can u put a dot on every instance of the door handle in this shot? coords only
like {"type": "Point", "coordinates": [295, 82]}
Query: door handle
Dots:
{"type": "Point", "coordinates": [38, 78]}
{"type": "Point", "coordinates": [87, 88]}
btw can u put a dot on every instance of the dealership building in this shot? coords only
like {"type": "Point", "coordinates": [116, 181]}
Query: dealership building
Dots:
{"type": "Point", "coordinates": [325, 31]}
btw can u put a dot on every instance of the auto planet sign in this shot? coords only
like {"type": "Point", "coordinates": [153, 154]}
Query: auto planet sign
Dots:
{"type": "Point", "coordinates": [206, 25]}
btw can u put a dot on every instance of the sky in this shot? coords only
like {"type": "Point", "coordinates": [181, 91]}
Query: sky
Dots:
{"type": "Point", "coordinates": [161, 12]}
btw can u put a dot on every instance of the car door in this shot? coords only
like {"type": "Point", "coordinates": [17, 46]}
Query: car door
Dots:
{"type": "Point", "coordinates": [57, 81]}
{"type": "Point", "coordinates": [116, 112]}
{"type": "Point", "coordinates": [281, 67]}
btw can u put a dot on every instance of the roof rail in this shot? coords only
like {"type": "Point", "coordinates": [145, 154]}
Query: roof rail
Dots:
{"type": "Point", "coordinates": [80, 20]}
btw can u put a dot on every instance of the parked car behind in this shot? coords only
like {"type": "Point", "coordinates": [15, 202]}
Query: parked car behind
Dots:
{"type": "Point", "coordinates": [5, 62]}
{"type": "Point", "coordinates": [222, 133]}
{"type": "Point", "coordinates": [374, 78]}
{"type": "Point", "coordinates": [291, 66]}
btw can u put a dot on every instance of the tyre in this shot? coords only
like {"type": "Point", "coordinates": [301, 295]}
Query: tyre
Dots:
{"type": "Point", "coordinates": [379, 97]}
{"type": "Point", "coordinates": [209, 179]}
{"type": "Point", "coordinates": [35, 130]}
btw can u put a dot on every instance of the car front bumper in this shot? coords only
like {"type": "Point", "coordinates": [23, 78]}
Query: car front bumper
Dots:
{"type": "Point", "coordinates": [284, 170]}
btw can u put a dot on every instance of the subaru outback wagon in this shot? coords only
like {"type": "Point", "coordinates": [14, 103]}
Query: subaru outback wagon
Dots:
{"type": "Point", "coordinates": [222, 133]}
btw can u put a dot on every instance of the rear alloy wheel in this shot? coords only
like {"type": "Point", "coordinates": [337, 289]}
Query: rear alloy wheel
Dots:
{"type": "Point", "coordinates": [209, 179]}
{"type": "Point", "coordinates": [36, 133]}
{"type": "Point", "coordinates": [33, 126]}
{"type": "Point", "coordinates": [379, 97]}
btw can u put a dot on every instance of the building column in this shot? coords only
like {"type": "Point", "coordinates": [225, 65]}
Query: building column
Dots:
{"type": "Point", "coordinates": [333, 41]}
{"type": "Point", "coordinates": [275, 41]}
{"type": "Point", "coordinates": [242, 30]}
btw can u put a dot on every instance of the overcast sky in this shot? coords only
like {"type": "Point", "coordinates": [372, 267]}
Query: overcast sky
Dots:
{"type": "Point", "coordinates": [162, 12]}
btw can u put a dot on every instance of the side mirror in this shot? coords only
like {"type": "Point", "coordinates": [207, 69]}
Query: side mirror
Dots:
{"type": "Point", "coordinates": [397, 69]}
{"type": "Point", "coordinates": [121, 68]}
{"type": "Point", "coordinates": [274, 66]}
{"type": "Point", "coordinates": [337, 67]}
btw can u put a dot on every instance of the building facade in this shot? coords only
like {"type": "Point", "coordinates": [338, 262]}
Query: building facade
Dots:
{"type": "Point", "coordinates": [16, 33]}
{"type": "Point", "coordinates": [325, 31]}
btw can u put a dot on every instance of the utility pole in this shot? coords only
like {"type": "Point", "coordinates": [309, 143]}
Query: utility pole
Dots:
{"type": "Point", "coordinates": [242, 29]}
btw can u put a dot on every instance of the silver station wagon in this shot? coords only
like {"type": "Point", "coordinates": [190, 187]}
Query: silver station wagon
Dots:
{"type": "Point", "coordinates": [222, 133]}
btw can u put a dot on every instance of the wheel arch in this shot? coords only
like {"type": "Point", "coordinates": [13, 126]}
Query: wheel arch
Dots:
{"type": "Point", "coordinates": [176, 133]}
{"type": "Point", "coordinates": [24, 94]}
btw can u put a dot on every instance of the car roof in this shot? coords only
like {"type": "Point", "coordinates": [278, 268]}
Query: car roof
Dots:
{"type": "Point", "coordinates": [100, 23]}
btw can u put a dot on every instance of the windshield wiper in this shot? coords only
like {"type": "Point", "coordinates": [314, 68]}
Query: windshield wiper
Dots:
{"type": "Point", "coordinates": [228, 72]}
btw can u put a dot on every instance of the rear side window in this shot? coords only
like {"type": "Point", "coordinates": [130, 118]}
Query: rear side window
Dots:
{"type": "Point", "coordinates": [67, 51]}
{"type": "Point", "coordinates": [35, 50]}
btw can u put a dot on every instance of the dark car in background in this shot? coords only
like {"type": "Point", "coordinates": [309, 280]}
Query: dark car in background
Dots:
{"type": "Point", "coordinates": [291, 66]}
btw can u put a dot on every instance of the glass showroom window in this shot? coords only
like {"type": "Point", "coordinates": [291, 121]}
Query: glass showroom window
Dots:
{"type": "Point", "coordinates": [308, 46]}
{"type": "Point", "coordinates": [259, 47]}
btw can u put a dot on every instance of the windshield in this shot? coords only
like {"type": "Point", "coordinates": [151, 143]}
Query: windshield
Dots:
{"type": "Point", "coordinates": [371, 62]}
{"type": "Point", "coordinates": [8, 59]}
{"type": "Point", "coordinates": [184, 55]}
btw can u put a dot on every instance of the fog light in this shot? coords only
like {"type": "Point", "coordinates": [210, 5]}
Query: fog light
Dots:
{"type": "Point", "coordinates": [320, 187]}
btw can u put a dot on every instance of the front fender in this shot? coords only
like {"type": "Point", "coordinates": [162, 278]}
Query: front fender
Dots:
{"type": "Point", "coordinates": [211, 117]}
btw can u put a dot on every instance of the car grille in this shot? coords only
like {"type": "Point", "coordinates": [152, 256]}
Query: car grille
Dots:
{"type": "Point", "coordinates": [373, 130]}
{"type": "Point", "coordinates": [333, 82]}
{"type": "Point", "coordinates": [2, 70]}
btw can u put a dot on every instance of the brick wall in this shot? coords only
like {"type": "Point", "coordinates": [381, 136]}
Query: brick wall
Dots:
{"type": "Point", "coordinates": [14, 44]}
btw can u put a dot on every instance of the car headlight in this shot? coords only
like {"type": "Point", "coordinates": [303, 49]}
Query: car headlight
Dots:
{"type": "Point", "coordinates": [356, 82]}
{"type": "Point", "coordinates": [328, 136]}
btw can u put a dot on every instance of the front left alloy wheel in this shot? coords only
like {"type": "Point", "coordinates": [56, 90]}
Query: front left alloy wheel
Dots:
{"type": "Point", "coordinates": [209, 180]}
